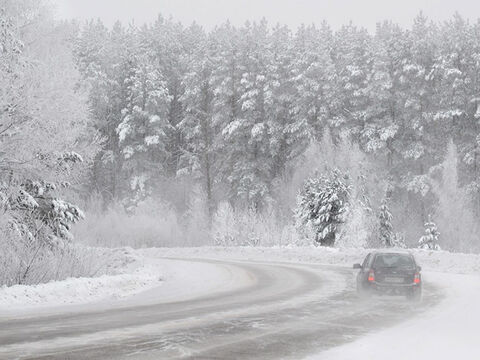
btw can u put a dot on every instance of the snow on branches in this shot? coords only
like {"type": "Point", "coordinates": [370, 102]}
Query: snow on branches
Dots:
{"type": "Point", "coordinates": [321, 206]}
{"type": "Point", "coordinates": [386, 228]}
{"type": "Point", "coordinates": [429, 240]}
{"type": "Point", "coordinates": [35, 210]}
{"type": "Point", "coordinates": [60, 216]}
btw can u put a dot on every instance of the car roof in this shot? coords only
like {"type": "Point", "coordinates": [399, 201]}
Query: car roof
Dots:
{"type": "Point", "coordinates": [392, 251]}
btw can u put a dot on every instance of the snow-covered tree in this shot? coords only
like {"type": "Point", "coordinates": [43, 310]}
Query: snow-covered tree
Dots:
{"type": "Point", "coordinates": [321, 207]}
{"type": "Point", "coordinates": [44, 127]}
{"type": "Point", "coordinates": [198, 159]}
{"type": "Point", "coordinates": [314, 78]}
{"type": "Point", "coordinates": [385, 225]}
{"type": "Point", "coordinates": [454, 208]}
{"type": "Point", "coordinates": [143, 131]}
{"type": "Point", "coordinates": [250, 162]}
{"type": "Point", "coordinates": [352, 63]}
{"type": "Point", "coordinates": [360, 225]}
{"type": "Point", "coordinates": [43, 121]}
{"type": "Point", "coordinates": [399, 240]}
{"type": "Point", "coordinates": [385, 108]}
{"type": "Point", "coordinates": [104, 58]}
{"type": "Point", "coordinates": [282, 123]}
{"type": "Point", "coordinates": [246, 102]}
{"type": "Point", "coordinates": [429, 240]}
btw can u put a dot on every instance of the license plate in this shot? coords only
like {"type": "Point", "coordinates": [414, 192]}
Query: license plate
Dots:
{"type": "Point", "coordinates": [395, 280]}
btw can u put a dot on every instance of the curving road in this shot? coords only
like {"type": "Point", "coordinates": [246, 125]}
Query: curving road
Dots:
{"type": "Point", "coordinates": [283, 311]}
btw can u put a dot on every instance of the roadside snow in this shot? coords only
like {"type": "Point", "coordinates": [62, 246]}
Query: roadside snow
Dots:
{"type": "Point", "coordinates": [79, 290]}
{"type": "Point", "coordinates": [448, 331]}
{"type": "Point", "coordinates": [129, 275]}
{"type": "Point", "coordinates": [429, 260]}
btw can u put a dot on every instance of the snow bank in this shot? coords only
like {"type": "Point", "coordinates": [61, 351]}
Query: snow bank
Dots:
{"type": "Point", "coordinates": [442, 261]}
{"type": "Point", "coordinates": [128, 275]}
{"type": "Point", "coordinates": [79, 290]}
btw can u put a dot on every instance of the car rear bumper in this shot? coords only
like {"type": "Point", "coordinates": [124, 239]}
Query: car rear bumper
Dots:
{"type": "Point", "coordinates": [393, 289]}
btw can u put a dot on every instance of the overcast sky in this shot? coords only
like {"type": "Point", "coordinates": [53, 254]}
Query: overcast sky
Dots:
{"type": "Point", "coordinates": [209, 13]}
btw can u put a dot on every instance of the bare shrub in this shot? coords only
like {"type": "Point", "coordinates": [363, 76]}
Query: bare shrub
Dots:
{"type": "Point", "coordinates": [152, 224]}
{"type": "Point", "coordinates": [28, 262]}
{"type": "Point", "coordinates": [235, 227]}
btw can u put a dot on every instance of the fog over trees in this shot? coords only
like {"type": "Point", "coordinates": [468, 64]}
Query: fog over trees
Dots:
{"type": "Point", "coordinates": [165, 134]}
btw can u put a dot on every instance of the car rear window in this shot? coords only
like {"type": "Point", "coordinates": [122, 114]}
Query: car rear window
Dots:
{"type": "Point", "coordinates": [393, 260]}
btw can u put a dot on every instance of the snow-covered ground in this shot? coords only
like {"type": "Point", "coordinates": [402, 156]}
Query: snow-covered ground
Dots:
{"type": "Point", "coordinates": [79, 290]}
{"type": "Point", "coordinates": [167, 274]}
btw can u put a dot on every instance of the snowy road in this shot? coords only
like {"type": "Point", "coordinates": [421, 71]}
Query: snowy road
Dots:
{"type": "Point", "coordinates": [275, 310]}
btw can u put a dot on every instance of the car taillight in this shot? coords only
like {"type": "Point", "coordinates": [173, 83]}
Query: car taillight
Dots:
{"type": "Point", "coordinates": [416, 279]}
{"type": "Point", "coordinates": [371, 276]}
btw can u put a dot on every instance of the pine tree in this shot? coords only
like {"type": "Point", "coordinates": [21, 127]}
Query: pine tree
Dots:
{"type": "Point", "coordinates": [250, 176]}
{"type": "Point", "coordinates": [399, 240]}
{"type": "Point", "coordinates": [282, 121]}
{"type": "Point", "coordinates": [168, 45]}
{"type": "Point", "coordinates": [197, 127]}
{"type": "Point", "coordinates": [226, 76]}
{"type": "Point", "coordinates": [453, 211]}
{"type": "Point", "coordinates": [43, 127]}
{"type": "Point", "coordinates": [321, 206]}
{"type": "Point", "coordinates": [352, 61]}
{"type": "Point", "coordinates": [385, 225]}
{"type": "Point", "coordinates": [429, 241]}
{"type": "Point", "coordinates": [144, 129]}
{"type": "Point", "coordinates": [383, 113]}
{"type": "Point", "coordinates": [103, 59]}
{"type": "Point", "coordinates": [315, 79]}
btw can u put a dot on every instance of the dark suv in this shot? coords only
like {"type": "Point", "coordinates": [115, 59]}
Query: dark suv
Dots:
{"type": "Point", "coordinates": [391, 273]}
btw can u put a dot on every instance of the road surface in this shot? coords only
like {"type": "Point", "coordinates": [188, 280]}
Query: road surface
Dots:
{"type": "Point", "coordinates": [282, 311]}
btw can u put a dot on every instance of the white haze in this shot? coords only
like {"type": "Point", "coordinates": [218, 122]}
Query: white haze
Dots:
{"type": "Point", "coordinates": [293, 13]}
